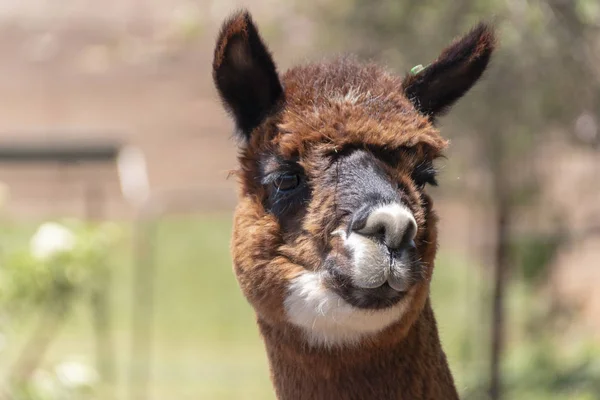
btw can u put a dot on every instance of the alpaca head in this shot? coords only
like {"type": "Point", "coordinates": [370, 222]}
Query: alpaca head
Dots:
{"type": "Point", "coordinates": [334, 235]}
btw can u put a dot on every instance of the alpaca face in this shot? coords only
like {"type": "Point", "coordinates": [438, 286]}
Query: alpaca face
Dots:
{"type": "Point", "coordinates": [361, 211]}
{"type": "Point", "coordinates": [335, 234]}
{"type": "Point", "coordinates": [360, 224]}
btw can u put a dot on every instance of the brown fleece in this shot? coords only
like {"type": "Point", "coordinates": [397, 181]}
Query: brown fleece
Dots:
{"type": "Point", "coordinates": [307, 116]}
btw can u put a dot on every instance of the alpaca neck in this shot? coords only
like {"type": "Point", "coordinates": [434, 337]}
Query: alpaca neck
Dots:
{"type": "Point", "coordinates": [413, 367]}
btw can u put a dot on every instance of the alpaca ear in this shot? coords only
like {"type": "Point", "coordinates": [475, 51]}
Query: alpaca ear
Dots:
{"type": "Point", "coordinates": [244, 73]}
{"type": "Point", "coordinates": [433, 89]}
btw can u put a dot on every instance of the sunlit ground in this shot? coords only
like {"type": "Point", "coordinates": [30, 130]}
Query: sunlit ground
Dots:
{"type": "Point", "coordinates": [206, 344]}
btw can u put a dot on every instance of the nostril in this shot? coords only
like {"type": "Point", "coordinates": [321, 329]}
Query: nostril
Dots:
{"type": "Point", "coordinates": [359, 219]}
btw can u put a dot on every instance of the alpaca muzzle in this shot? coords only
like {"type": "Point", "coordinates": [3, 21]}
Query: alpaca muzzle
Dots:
{"type": "Point", "coordinates": [380, 240]}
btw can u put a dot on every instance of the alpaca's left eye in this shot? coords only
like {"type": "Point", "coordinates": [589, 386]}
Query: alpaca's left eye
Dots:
{"type": "Point", "coordinates": [425, 174]}
{"type": "Point", "coordinates": [286, 182]}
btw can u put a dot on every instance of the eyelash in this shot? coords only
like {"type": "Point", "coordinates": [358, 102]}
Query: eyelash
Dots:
{"type": "Point", "coordinates": [425, 174]}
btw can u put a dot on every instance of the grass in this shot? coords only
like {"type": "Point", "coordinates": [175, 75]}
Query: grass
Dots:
{"type": "Point", "coordinates": [206, 344]}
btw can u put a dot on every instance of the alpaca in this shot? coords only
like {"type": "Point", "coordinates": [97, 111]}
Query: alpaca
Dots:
{"type": "Point", "coordinates": [334, 234]}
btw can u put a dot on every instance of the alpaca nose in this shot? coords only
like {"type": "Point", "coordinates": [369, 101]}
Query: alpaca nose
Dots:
{"type": "Point", "coordinates": [392, 224]}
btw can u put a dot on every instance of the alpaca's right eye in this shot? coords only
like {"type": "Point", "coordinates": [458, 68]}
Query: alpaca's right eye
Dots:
{"type": "Point", "coordinates": [286, 182]}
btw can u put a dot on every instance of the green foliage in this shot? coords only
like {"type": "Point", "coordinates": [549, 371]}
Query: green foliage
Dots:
{"type": "Point", "coordinates": [543, 368]}
{"type": "Point", "coordinates": [60, 261]}
{"type": "Point", "coordinates": [533, 254]}
{"type": "Point", "coordinates": [540, 376]}
{"type": "Point", "coordinates": [56, 266]}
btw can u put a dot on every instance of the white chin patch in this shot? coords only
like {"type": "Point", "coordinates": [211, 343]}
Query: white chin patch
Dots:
{"type": "Point", "coordinates": [327, 319]}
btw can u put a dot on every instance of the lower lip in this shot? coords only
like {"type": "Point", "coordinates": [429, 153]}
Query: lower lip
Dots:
{"type": "Point", "coordinates": [379, 298]}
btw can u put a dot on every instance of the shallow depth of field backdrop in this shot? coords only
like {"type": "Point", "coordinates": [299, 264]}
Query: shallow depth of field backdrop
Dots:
{"type": "Point", "coordinates": [120, 299]}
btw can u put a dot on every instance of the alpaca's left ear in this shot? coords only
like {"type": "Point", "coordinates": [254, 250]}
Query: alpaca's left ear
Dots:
{"type": "Point", "coordinates": [435, 88]}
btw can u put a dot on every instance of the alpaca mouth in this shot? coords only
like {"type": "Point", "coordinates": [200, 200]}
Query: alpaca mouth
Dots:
{"type": "Point", "coordinates": [378, 298]}
{"type": "Point", "coordinates": [375, 297]}
{"type": "Point", "coordinates": [368, 274]}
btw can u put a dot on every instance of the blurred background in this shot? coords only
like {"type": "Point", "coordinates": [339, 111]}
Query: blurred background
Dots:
{"type": "Point", "coordinates": [116, 207]}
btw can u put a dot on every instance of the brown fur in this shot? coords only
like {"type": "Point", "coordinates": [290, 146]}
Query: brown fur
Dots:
{"type": "Point", "coordinates": [393, 366]}
{"type": "Point", "coordinates": [325, 109]}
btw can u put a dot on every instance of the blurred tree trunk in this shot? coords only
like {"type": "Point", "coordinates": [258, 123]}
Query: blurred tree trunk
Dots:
{"type": "Point", "coordinates": [503, 210]}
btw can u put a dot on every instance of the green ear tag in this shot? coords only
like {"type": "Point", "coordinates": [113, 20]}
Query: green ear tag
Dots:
{"type": "Point", "coordinates": [417, 68]}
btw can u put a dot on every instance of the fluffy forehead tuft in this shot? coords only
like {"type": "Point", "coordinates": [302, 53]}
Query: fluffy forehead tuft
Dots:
{"type": "Point", "coordinates": [322, 83]}
{"type": "Point", "coordinates": [344, 102]}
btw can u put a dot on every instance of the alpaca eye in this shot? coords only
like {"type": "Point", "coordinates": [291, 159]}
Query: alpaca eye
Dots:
{"type": "Point", "coordinates": [425, 174]}
{"type": "Point", "coordinates": [426, 179]}
{"type": "Point", "coordinates": [286, 182]}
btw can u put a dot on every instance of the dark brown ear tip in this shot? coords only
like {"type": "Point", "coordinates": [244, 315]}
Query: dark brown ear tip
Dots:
{"type": "Point", "coordinates": [485, 28]}
{"type": "Point", "coordinates": [238, 23]}
{"type": "Point", "coordinates": [478, 43]}
{"type": "Point", "coordinates": [486, 36]}
{"type": "Point", "coordinates": [238, 19]}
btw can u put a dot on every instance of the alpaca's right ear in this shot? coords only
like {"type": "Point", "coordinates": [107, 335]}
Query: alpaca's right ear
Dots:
{"type": "Point", "coordinates": [244, 73]}
{"type": "Point", "coordinates": [433, 89]}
